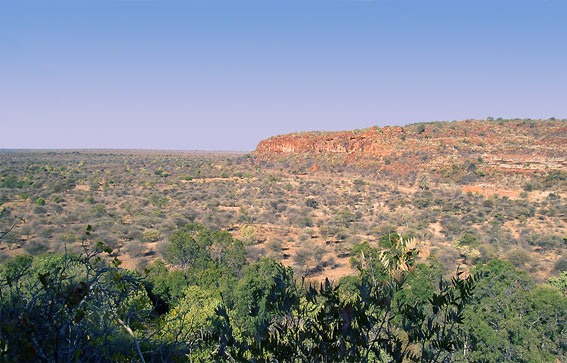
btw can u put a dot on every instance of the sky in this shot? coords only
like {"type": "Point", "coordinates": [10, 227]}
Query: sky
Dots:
{"type": "Point", "coordinates": [223, 75]}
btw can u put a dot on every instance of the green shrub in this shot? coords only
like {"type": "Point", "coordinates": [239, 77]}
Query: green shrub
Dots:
{"type": "Point", "coordinates": [97, 210]}
{"type": "Point", "coordinates": [151, 235]}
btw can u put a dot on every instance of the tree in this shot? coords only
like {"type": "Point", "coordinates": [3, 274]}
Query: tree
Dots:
{"type": "Point", "coordinates": [510, 319]}
{"type": "Point", "coordinates": [64, 308]}
{"type": "Point", "coordinates": [366, 259]}
{"type": "Point", "coordinates": [182, 250]}
{"type": "Point", "coordinates": [165, 287]}
{"type": "Point", "coordinates": [559, 282]}
{"type": "Point", "coordinates": [288, 323]}
{"type": "Point", "coordinates": [3, 214]}
{"type": "Point", "coordinates": [187, 325]}
{"type": "Point", "coordinates": [254, 294]}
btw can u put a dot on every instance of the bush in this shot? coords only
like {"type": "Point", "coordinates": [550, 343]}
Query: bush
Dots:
{"type": "Point", "coordinates": [248, 234]}
{"type": "Point", "coordinates": [520, 259]}
{"type": "Point", "coordinates": [487, 253]}
{"type": "Point", "coordinates": [39, 210]}
{"type": "Point", "coordinates": [469, 239]}
{"type": "Point", "coordinates": [302, 256]}
{"type": "Point", "coordinates": [151, 235]}
{"type": "Point", "coordinates": [37, 246]}
{"type": "Point", "coordinates": [311, 203]}
{"type": "Point", "coordinates": [561, 264]}
{"type": "Point", "coordinates": [255, 253]}
{"type": "Point", "coordinates": [384, 229]}
{"type": "Point", "coordinates": [305, 222]}
{"type": "Point", "coordinates": [134, 249]}
{"type": "Point", "coordinates": [447, 256]}
{"type": "Point", "coordinates": [275, 248]}
{"type": "Point", "coordinates": [345, 217]}
{"type": "Point", "coordinates": [58, 199]}
{"type": "Point", "coordinates": [97, 210]}
{"type": "Point", "coordinates": [545, 241]}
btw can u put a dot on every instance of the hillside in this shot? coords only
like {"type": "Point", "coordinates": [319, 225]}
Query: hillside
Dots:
{"type": "Point", "coordinates": [501, 181]}
{"type": "Point", "coordinates": [485, 146]}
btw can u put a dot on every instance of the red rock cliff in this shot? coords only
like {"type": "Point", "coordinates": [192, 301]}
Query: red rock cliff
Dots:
{"type": "Point", "coordinates": [507, 145]}
{"type": "Point", "coordinates": [372, 141]}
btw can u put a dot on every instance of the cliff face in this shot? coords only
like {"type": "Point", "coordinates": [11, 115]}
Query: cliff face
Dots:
{"type": "Point", "coordinates": [512, 146]}
{"type": "Point", "coordinates": [372, 141]}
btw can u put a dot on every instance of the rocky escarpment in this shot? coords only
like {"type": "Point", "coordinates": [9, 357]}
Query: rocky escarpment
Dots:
{"type": "Point", "coordinates": [372, 141]}
{"type": "Point", "coordinates": [517, 146]}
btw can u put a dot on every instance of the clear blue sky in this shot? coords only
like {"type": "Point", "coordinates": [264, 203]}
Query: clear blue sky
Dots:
{"type": "Point", "coordinates": [222, 75]}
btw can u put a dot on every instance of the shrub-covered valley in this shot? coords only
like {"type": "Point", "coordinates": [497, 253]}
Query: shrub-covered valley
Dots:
{"type": "Point", "coordinates": [315, 247]}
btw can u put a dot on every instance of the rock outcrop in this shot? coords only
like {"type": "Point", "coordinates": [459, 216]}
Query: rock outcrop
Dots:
{"type": "Point", "coordinates": [517, 146]}
{"type": "Point", "coordinates": [372, 141]}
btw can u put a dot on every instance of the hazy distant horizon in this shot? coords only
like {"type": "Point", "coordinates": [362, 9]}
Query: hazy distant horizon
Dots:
{"type": "Point", "coordinates": [223, 75]}
{"type": "Point", "coordinates": [67, 150]}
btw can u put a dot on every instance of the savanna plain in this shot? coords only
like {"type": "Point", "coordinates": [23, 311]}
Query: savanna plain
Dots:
{"type": "Point", "coordinates": [442, 241]}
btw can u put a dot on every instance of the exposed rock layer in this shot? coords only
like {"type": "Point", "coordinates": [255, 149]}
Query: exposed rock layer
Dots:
{"type": "Point", "coordinates": [511, 146]}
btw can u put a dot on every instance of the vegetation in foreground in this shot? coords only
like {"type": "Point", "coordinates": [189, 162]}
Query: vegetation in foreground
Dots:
{"type": "Point", "coordinates": [207, 303]}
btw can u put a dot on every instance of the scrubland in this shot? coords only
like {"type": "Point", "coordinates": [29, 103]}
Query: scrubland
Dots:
{"type": "Point", "coordinates": [308, 220]}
